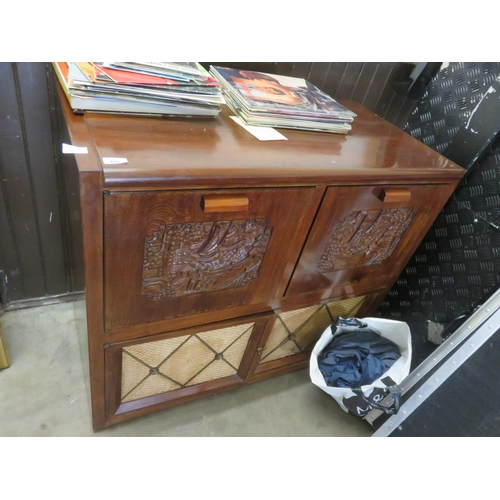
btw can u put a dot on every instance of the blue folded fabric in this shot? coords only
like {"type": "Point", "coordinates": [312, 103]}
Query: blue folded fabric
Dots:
{"type": "Point", "coordinates": [357, 358]}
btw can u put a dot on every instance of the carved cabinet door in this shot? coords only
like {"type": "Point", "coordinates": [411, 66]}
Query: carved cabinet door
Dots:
{"type": "Point", "coordinates": [176, 253]}
{"type": "Point", "coordinates": [365, 235]}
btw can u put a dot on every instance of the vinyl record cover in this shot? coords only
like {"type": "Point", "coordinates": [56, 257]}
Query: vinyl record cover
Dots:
{"type": "Point", "coordinates": [258, 91]}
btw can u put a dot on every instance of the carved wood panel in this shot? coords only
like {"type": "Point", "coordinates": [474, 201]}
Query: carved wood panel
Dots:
{"type": "Point", "coordinates": [357, 238]}
{"type": "Point", "coordinates": [166, 258]}
{"type": "Point", "coordinates": [188, 258]}
{"type": "Point", "coordinates": [364, 237]}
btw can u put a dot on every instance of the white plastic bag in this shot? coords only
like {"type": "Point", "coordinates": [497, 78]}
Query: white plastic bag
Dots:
{"type": "Point", "coordinates": [359, 401]}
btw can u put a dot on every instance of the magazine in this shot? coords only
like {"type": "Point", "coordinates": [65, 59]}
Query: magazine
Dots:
{"type": "Point", "coordinates": [183, 72]}
{"type": "Point", "coordinates": [85, 92]}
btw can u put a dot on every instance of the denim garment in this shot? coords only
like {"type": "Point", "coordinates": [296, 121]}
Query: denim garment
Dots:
{"type": "Point", "coordinates": [357, 358]}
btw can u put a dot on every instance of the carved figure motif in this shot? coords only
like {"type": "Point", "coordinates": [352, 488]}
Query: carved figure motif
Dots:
{"type": "Point", "coordinates": [182, 259]}
{"type": "Point", "coordinates": [364, 238]}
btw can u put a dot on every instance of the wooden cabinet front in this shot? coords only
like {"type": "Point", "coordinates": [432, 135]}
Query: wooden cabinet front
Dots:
{"type": "Point", "coordinates": [179, 366]}
{"type": "Point", "coordinates": [176, 253]}
{"type": "Point", "coordinates": [365, 234]}
{"type": "Point", "coordinates": [213, 259]}
{"type": "Point", "coordinates": [291, 334]}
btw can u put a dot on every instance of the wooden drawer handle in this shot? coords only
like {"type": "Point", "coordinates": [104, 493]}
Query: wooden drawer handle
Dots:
{"type": "Point", "coordinates": [224, 203]}
{"type": "Point", "coordinates": [388, 195]}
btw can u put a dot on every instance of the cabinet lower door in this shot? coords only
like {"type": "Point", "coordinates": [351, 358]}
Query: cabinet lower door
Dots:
{"type": "Point", "coordinates": [291, 335]}
{"type": "Point", "coordinates": [170, 369]}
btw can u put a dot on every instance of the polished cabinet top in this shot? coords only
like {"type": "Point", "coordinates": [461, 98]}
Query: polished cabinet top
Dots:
{"type": "Point", "coordinates": [182, 151]}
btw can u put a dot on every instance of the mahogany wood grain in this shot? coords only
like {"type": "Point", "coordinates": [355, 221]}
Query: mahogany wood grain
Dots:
{"type": "Point", "coordinates": [281, 303]}
{"type": "Point", "coordinates": [140, 217]}
{"type": "Point", "coordinates": [199, 327]}
{"type": "Point", "coordinates": [92, 216]}
{"type": "Point", "coordinates": [186, 278]}
{"type": "Point", "coordinates": [113, 377]}
{"type": "Point", "coordinates": [297, 244]}
{"type": "Point", "coordinates": [253, 344]}
{"type": "Point", "coordinates": [91, 207]}
{"type": "Point", "coordinates": [224, 203]}
{"type": "Point", "coordinates": [192, 153]}
{"type": "Point", "coordinates": [394, 195]}
{"type": "Point", "coordinates": [146, 406]}
{"type": "Point", "coordinates": [173, 324]}
{"type": "Point", "coordinates": [80, 135]}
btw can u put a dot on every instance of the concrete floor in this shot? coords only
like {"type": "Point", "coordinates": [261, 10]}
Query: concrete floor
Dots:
{"type": "Point", "coordinates": [46, 393]}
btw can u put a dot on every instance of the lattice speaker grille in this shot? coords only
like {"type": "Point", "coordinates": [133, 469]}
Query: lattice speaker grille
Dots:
{"type": "Point", "coordinates": [166, 365]}
{"type": "Point", "coordinates": [297, 331]}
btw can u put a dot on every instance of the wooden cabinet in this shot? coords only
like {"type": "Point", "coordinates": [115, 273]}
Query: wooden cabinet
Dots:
{"type": "Point", "coordinates": [214, 260]}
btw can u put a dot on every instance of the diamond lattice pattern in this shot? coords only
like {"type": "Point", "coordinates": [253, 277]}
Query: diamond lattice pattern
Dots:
{"type": "Point", "coordinates": [166, 365]}
{"type": "Point", "coordinates": [297, 331]}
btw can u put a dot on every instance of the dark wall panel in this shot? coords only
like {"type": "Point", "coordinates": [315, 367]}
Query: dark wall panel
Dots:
{"type": "Point", "coordinates": [40, 158]}
{"type": "Point", "coordinates": [8, 254]}
{"type": "Point", "coordinates": [299, 69]}
{"type": "Point", "coordinates": [389, 101]}
{"type": "Point", "coordinates": [32, 255]}
{"type": "Point", "coordinates": [364, 82]}
{"type": "Point", "coordinates": [348, 80]}
{"type": "Point", "coordinates": [380, 80]}
{"type": "Point", "coordinates": [17, 185]}
{"type": "Point", "coordinates": [67, 176]}
{"type": "Point", "coordinates": [333, 77]}
{"type": "Point", "coordinates": [317, 73]}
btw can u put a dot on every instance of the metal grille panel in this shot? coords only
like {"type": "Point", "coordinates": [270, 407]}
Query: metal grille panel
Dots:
{"type": "Point", "coordinates": [449, 102]}
{"type": "Point", "coordinates": [457, 265]}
